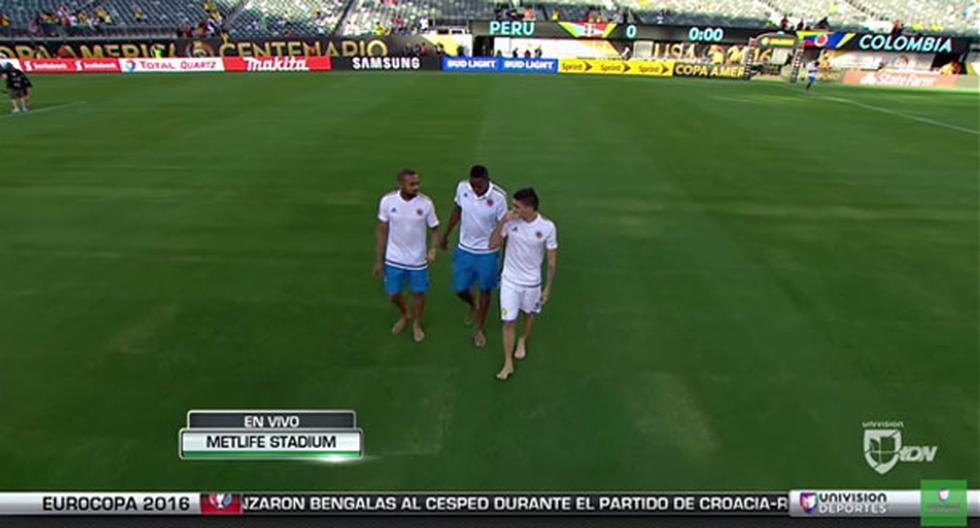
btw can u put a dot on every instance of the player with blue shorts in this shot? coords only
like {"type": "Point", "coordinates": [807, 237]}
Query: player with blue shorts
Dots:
{"type": "Point", "coordinates": [811, 74]}
{"type": "Point", "coordinates": [405, 216]}
{"type": "Point", "coordinates": [479, 206]}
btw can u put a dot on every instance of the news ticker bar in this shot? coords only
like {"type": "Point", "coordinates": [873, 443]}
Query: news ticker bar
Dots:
{"type": "Point", "coordinates": [835, 503]}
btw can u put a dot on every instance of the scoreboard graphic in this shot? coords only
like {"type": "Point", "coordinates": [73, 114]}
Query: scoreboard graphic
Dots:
{"type": "Point", "coordinates": [271, 435]}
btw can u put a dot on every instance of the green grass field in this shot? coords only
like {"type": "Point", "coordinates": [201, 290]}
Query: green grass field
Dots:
{"type": "Point", "coordinates": [746, 273]}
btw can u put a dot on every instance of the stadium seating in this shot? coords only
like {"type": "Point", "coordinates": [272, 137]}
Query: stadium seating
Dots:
{"type": "Point", "coordinates": [355, 17]}
{"type": "Point", "coordinates": [364, 14]}
{"type": "Point", "coordinates": [717, 13]}
{"type": "Point", "coordinates": [287, 17]}
{"type": "Point", "coordinates": [165, 15]}
{"type": "Point", "coordinates": [926, 15]}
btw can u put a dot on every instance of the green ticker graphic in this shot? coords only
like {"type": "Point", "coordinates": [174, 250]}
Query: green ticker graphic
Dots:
{"type": "Point", "coordinates": [943, 502]}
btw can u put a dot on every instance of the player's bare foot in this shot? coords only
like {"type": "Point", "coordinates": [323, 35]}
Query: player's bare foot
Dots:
{"type": "Point", "coordinates": [417, 333]}
{"type": "Point", "coordinates": [521, 350]}
{"type": "Point", "coordinates": [480, 339]}
{"type": "Point", "coordinates": [399, 325]}
{"type": "Point", "coordinates": [505, 373]}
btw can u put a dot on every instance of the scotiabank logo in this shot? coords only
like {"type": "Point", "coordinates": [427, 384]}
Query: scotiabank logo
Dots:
{"type": "Point", "coordinates": [276, 64]}
{"type": "Point", "coordinates": [97, 65]}
{"type": "Point", "coordinates": [170, 65]}
{"type": "Point", "coordinates": [49, 65]}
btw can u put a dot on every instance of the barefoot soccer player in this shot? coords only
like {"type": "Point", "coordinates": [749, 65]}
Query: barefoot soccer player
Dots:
{"type": "Point", "coordinates": [404, 218]}
{"type": "Point", "coordinates": [479, 206]}
{"type": "Point", "coordinates": [530, 236]}
{"type": "Point", "coordinates": [17, 86]}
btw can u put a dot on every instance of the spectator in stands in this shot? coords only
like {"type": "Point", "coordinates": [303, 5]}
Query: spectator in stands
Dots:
{"type": "Point", "coordinates": [513, 53]}
{"type": "Point", "coordinates": [896, 27]}
{"type": "Point", "coordinates": [784, 23]}
{"type": "Point", "coordinates": [527, 53]}
{"type": "Point", "coordinates": [799, 25]}
{"type": "Point", "coordinates": [537, 52]}
{"type": "Point", "coordinates": [528, 13]}
{"type": "Point", "coordinates": [4, 23]}
{"type": "Point", "coordinates": [137, 13]}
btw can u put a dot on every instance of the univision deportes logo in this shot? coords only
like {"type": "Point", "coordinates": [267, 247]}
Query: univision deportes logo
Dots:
{"type": "Point", "coordinates": [845, 502]}
{"type": "Point", "coordinates": [808, 501]}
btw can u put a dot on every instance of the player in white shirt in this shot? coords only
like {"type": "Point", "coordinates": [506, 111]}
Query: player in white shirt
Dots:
{"type": "Point", "coordinates": [479, 206]}
{"type": "Point", "coordinates": [530, 238]}
{"type": "Point", "coordinates": [400, 239]}
{"type": "Point", "coordinates": [811, 74]}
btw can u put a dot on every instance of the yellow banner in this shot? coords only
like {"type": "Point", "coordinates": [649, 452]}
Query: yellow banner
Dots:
{"type": "Point", "coordinates": [651, 68]}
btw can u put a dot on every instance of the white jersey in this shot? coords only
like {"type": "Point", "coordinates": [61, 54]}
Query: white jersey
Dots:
{"type": "Point", "coordinates": [811, 69]}
{"type": "Point", "coordinates": [408, 222]}
{"type": "Point", "coordinates": [480, 215]}
{"type": "Point", "coordinates": [526, 246]}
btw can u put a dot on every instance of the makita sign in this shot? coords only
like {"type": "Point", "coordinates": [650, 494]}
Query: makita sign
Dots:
{"type": "Point", "coordinates": [276, 64]}
{"type": "Point", "coordinates": [915, 43]}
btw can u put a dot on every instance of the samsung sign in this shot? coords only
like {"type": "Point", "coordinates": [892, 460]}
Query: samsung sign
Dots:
{"type": "Point", "coordinates": [386, 63]}
{"type": "Point", "coordinates": [919, 44]}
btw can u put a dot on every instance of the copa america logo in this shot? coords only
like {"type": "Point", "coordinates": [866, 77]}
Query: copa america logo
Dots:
{"type": "Point", "coordinates": [943, 494]}
{"type": "Point", "coordinates": [130, 65]}
{"type": "Point", "coordinates": [220, 501]}
{"type": "Point", "coordinates": [808, 501]}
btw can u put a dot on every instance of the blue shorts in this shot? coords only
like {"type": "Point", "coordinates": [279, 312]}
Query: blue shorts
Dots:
{"type": "Point", "coordinates": [397, 278]}
{"type": "Point", "coordinates": [810, 79]}
{"type": "Point", "coordinates": [471, 267]}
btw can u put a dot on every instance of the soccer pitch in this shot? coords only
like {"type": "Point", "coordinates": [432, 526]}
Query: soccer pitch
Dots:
{"type": "Point", "coordinates": [746, 274]}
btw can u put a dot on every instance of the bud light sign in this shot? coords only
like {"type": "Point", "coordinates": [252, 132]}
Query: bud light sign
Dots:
{"type": "Point", "coordinates": [469, 64]}
{"type": "Point", "coordinates": [490, 64]}
{"type": "Point", "coordinates": [528, 65]}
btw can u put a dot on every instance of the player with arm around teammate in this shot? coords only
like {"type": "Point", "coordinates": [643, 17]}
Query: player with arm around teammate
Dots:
{"type": "Point", "coordinates": [480, 204]}
{"type": "Point", "coordinates": [530, 239]}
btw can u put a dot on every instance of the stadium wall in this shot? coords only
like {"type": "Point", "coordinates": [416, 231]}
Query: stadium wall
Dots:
{"type": "Point", "coordinates": [400, 45]}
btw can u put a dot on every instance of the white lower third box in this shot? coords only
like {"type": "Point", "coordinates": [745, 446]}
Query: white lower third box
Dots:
{"type": "Point", "coordinates": [266, 444]}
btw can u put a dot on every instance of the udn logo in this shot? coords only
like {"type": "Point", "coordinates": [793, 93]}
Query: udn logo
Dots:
{"type": "Point", "coordinates": [883, 449]}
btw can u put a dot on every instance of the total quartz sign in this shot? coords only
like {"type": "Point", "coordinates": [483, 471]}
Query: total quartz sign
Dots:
{"type": "Point", "coordinates": [171, 65]}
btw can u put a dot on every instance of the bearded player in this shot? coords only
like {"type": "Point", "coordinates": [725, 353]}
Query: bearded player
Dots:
{"type": "Point", "coordinates": [405, 216]}
{"type": "Point", "coordinates": [530, 238]}
{"type": "Point", "coordinates": [479, 206]}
